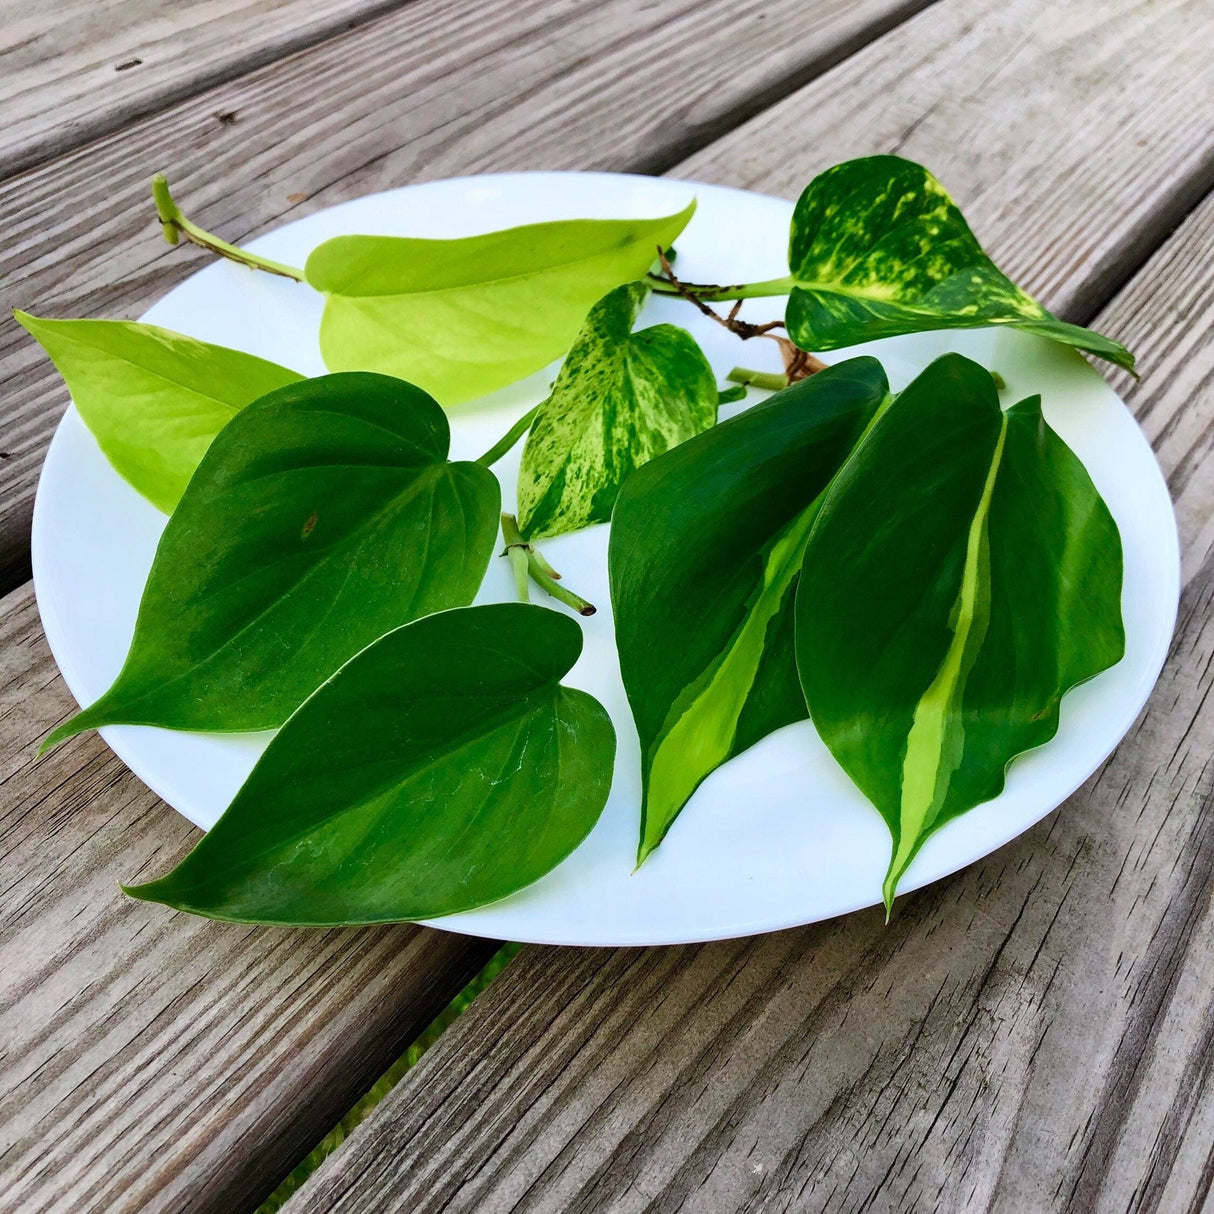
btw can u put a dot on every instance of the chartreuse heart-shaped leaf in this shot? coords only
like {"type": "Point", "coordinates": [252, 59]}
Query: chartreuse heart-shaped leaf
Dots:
{"type": "Point", "coordinates": [460, 318]}
{"type": "Point", "coordinates": [441, 768]}
{"type": "Point", "coordinates": [322, 516]}
{"type": "Point", "coordinates": [620, 399]}
{"type": "Point", "coordinates": [705, 551]}
{"type": "Point", "coordinates": [154, 399]}
{"type": "Point", "coordinates": [879, 248]}
{"type": "Point", "coordinates": [962, 575]}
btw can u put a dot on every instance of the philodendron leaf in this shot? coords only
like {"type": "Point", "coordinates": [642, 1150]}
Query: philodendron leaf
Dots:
{"type": "Point", "coordinates": [460, 318]}
{"type": "Point", "coordinates": [323, 515]}
{"type": "Point", "coordinates": [154, 399]}
{"type": "Point", "coordinates": [620, 399]}
{"type": "Point", "coordinates": [963, 573]}
{"type": "Point", "coordinates": [441, 768]}
{"type": "Point", "coordinates": [879, 248]}
{"type": "Point", "coordinates": [705, 550]}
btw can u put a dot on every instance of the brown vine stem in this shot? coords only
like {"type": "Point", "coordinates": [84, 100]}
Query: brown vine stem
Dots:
{"type": "Point", "coordinates": [798, 363]}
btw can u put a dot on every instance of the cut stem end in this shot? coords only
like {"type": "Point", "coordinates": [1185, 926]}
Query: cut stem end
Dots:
{"type": "Point", "coordinates": [529, 564]}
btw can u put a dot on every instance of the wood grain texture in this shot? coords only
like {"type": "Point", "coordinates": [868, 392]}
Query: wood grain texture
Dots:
{"type": "Point", "coordinates": [152, 1061]}
{"type": "Point", "coordinates": [76, 69]}
{"type": "Point", "coordinates": [1033, 1034]}
{"type": "Point", "coordinates": [435, 89]}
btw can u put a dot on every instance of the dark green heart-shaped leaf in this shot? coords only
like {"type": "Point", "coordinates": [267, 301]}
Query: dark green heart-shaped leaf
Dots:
{"type": "Point", "coordinates": [705, 550]}
{"type": "Point", "coordinates": [322, 516]}
{"type": "Point", "coordinates": [962, 575]}
{"type": "Point", "coordinates": [463, 317]}
{"type": "Point", "coordinates": [878, 248]}
{"type": "Point", "coordinates": [620, 399]}
{"type": "Point", "coordinates": [441, 768]}
{"type": "Point", "coordinates": [154, 399]}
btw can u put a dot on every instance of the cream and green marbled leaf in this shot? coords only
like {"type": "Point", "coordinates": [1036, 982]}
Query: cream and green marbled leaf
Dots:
{"type": "Point", "coordinates": [620, 399]}
{"type": "Point", "coordinates": [879, 248]}
{"type": "Point", "coordinates": [942, 615]}
{"type": "Point", "coordinates": [705, 552]}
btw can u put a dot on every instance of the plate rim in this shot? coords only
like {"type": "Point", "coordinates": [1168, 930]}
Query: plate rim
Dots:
{"type": "Point", "coordinates": [471, 922]}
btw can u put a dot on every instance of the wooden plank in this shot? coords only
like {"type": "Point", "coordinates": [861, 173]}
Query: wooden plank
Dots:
{"type": "Point", "coordinates": [438, 88]}
{"type": "Point", "coordinates": [73, 70]}
{"type": "Point", "coordinates": [152, 1061]}
{"type": "Point", "coordinates": [1034, 1033]}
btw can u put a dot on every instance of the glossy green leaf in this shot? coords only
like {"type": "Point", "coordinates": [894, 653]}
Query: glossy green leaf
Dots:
{"type": "Point", "coordinates": [463, 317]}
{"type": "Point", "coordinates": [705, 551]}
{"type": "Point", "coordinates": [323, 515]}
{"type": "Point", "coordinates": [879, 248]}
{"type": "Point", "coordinates": [962, 575]}
{"type": "Point", "coordinates": [620, 399]}
{"type": "Point", "coordinates": [441, 768]}
{"type": "Point", "coordinates": [154, 399]}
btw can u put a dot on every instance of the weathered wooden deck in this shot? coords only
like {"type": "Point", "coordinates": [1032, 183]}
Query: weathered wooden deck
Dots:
{"type": "Point", "coordinates": [1033, 1034]}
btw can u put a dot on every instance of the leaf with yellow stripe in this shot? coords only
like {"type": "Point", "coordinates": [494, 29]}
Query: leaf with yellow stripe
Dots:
{"type": "Point", "coordinates": [705, 552]}
{"type": "Point", "coordinates": [963, 574]}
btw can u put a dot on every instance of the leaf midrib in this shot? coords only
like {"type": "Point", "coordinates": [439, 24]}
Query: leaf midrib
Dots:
{"type": "Point", "coordinates": [501, 280]}
{"type": "Point", "coordinates": [174, 382]}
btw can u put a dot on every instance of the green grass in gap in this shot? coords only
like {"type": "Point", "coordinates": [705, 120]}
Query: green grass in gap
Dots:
{"type": "Point", "coordinates": [346, 1126]}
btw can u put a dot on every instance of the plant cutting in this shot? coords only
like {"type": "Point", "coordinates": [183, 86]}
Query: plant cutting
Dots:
{"type": "Point", "coordinates": [762, 569]}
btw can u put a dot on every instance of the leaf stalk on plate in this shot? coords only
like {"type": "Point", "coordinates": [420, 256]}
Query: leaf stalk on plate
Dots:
{"type": "Point", "coordinates": [771, 381]}
{"type": "Point", "coordinates": [529, 563]}
{"type": "Point", "coordinates": [508, 440]}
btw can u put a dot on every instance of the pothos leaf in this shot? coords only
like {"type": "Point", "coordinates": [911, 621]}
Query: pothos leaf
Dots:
{"type": "Point", "coordinates": [441, 768]}
{"type": "Point", "coordinates": [705, 551]}
{"type": "Point", "coordinates": [322, 516]}
{"type": "Point", "coordinates": [962, 575]}
{"type": "Point", "coordinates": [620, 399]}
{"type": "Point", "coordinates": [463, 317]}
{"type": "Point", "coordinates": [878, 248]}
{"type": "Point", "coordinates": [154, 399]}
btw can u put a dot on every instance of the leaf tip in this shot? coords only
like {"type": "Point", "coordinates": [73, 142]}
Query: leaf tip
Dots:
{"type": "Point", "coordinates": [889, 887]}
{"type": "Point", "coordinates": [61, 733]}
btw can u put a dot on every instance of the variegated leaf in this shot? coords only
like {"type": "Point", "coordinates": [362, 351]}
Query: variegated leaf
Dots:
{"type": "Point", "coordinates": [703, 596]}
{"type": "Point", "coordinates": [962, 575]}
{"type": "Point", "coordinates": [878, 248]}
{"type": "Point", "coordinates": [620, 399]}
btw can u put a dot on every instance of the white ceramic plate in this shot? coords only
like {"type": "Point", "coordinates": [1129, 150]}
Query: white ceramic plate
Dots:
{"type": "Point", "coordinates": [777, 837]}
